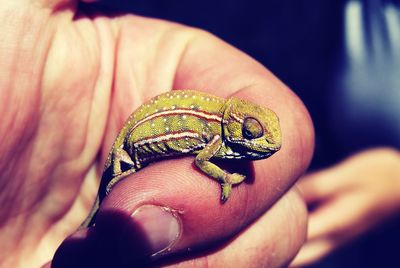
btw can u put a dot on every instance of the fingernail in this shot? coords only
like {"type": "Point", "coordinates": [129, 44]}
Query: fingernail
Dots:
{"type": "Point", "coordinates": [160, 225]}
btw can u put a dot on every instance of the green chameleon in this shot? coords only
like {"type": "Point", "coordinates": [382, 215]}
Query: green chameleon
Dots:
{"type": "Point", "coordinates": [190, 122]}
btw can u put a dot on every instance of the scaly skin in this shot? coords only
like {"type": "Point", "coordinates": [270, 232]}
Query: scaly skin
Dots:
{"type": "Point", "coordinates": [189, 122]}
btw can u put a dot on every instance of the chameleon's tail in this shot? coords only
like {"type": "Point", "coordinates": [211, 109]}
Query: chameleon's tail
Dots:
{"type": "Point", "coordinates": [92, 215]}
{"type": "Point", "coordinates": [104, 188]}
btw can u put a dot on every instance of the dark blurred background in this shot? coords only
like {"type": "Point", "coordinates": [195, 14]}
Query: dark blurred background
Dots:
{"type": "Point", "coordinates": [341, 57]}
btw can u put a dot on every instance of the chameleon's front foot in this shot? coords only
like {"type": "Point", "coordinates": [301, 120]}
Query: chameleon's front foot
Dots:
{"type": "Point", "coordinates": [230, 179]}
{"type": "Point", "coordinates": [226, 191]}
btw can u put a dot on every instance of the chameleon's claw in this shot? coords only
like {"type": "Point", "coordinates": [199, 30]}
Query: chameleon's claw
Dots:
{"type": "Point", "coordinates": [226, 191]}
{"type": "Point", "coordinates": [230, 179]}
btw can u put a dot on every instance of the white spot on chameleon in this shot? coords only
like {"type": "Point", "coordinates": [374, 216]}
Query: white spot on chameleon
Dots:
{"type": "Point", "coordinates": [165, 119]}
{"type": "Point", "coordinates": [173, 107]}
{"type": "Point", "coordinates": [207, 99]}
{"type": "Point", "coordinates": [184, 117]}
{"type": "Point", "coordinates": [191, 106]}
{"type": "Point", "coordinates": [193, 97]}
{"type": "Point", "coordinates": [167, 129]}
{"type": "Point", "coordinates": [185, 96]}
{"type": "Point", "coordinates": [164, 108]}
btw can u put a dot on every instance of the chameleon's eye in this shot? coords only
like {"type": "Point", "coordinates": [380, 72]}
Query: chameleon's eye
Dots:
{"type": "Point", "coordinates": [252, 129]}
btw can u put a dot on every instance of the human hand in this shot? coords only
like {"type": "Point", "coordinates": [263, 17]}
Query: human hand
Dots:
{"type": "Point", "coordinates": [68, 82]}
{"type": "Point", "coordinates": [351, 198]}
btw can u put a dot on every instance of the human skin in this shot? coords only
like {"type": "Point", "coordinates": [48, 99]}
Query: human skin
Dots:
{"type": "Point", "coordinates": [68, 81]}
{"type": "Point", "coordinates": [351, 198]}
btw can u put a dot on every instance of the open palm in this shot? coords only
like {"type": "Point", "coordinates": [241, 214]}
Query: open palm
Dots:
{"type": "Point", "coordinates": [69, 80]}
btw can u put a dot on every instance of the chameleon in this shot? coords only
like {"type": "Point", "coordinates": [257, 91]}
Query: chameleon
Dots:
{"type": "Point", "coordinates": [182, 122]}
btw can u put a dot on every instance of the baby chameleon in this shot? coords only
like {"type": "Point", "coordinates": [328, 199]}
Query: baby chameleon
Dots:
{"type": "Point", "coordinates": [184, 122]}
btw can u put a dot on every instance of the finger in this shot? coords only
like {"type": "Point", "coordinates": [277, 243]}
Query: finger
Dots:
{"type": "Point", "coordinates": [187, 200]}
{"type": "Point", "coordinates": [313, 251]}
{"type": "Point", "coordinates": [320, 185]}
{"type": "Point", "coordinates": [202, 66]}
{"type": "Point", "coordinates": [314, 187]}
{"type": "Point", "coordinates": [180, 187]}
{"type": "Point", "coordinates": [270, 241]}
{"type": "Point", "coordinates": [335, 218]}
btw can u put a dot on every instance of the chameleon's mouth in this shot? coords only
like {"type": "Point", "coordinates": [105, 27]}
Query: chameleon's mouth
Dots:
{"type": "Point", "coordinates": [254, 150]}
{"type": "Point", "coordinates": [264, 152]}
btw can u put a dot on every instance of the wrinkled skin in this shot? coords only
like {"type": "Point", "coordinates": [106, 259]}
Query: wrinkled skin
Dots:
{"type": "Point", "coordinates": [67, 84]}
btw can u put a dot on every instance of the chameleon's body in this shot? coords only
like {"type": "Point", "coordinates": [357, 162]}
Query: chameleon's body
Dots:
{"type": "Point", "coordinates": [190, 122]}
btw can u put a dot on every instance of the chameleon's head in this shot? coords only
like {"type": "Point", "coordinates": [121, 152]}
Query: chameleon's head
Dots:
{"type": "Point", "coordinates": [251, 129]}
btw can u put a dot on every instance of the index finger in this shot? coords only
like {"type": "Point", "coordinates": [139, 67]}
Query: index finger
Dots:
{"type": "Point", "coordinates": [177, 188]}
{"type": "Point", "coordinates": [212, 66]}
{"type": "Point", "coordinates": [218, 68]}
